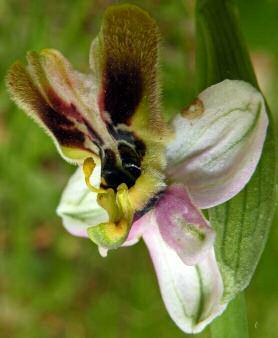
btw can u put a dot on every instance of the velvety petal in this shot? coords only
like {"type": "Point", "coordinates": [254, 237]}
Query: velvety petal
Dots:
{"type": "Point", "coordinates": [191, 294]}
{"type": "Point", "coordinates": [218, 142]}
{"type": "Point", "coordinates": [51, 92]}
{"type": "Point", "coordinates": [125, 64]}
{"type": "Point", "coordinates": [182, 225]}
{"type": "Point", "coordinates": [78, 207]}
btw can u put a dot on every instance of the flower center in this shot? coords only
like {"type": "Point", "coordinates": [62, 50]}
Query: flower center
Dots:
{"type": "Point", "coordinates": [124, 167]}
{"type": "Point", "coordinates": [117, 205]}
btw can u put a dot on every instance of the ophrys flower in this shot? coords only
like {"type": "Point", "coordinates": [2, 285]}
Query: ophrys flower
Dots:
{"type": "Point", "coordinates": [140, 176]}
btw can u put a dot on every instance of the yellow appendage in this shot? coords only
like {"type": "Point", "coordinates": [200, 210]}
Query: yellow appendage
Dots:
{"type": "Point", "coordinates": [117, 204]}
{"type": "Point", "coordinates": [88, 168]}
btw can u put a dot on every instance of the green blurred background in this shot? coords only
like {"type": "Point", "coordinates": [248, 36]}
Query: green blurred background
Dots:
{"type": "Point", "coordinates": [55, 285]}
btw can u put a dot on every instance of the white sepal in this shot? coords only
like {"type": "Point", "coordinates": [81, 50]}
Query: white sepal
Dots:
{"type": "Point", "coordinates": [218, 142]}
{"type": "Point", "coordinates": [78, 206]}
{"type": "Point", "coordinates": [191, 294]}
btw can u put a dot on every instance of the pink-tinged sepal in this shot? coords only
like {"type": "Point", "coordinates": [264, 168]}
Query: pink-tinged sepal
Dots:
{"type": "Point", "coordinates": [192, 294]}
{"type": "Point", "coordinates": [219, 141]}
{"type": "Point", "coordinates": [182, 226]}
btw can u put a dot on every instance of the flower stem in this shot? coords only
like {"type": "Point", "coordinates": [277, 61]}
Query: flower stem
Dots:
{"type": "Point", "coordinates": [233, 323]}
{"type": "Point", "coordinates": [221, 52]}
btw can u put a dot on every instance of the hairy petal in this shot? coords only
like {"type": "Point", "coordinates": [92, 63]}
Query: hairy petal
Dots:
{"type": "Point", "coordinates": [125, 65]}
{"type": "Point", "coordinates": [218, 143]}
{"type": "Point", "coordinates": [78, 207]}
{"type": "Point", "coordinates": [191, 294]}
{"type": "Point", "coordinates": [50, 91]}
{"type": "Point", "coordinates": [182, 225]}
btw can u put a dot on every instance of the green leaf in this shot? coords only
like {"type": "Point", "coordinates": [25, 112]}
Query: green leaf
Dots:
{"type": "Point", "coordinates": [242, 224]}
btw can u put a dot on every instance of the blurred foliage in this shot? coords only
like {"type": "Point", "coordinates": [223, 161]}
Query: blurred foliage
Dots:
{"type": "Point", "coordinates": [55, 285]}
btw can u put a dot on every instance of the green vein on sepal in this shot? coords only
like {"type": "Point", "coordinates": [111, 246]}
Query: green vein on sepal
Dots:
{"type": "Point", "coordinates": [202, 295]}
{"type": "Point", "coordinates": [247, 132]}
{"type": "Point", "coordinates": [242, 224]}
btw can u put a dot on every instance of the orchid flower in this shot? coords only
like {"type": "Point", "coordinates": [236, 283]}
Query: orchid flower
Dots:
{"type": "Point", "coordinates": [138, 176]}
